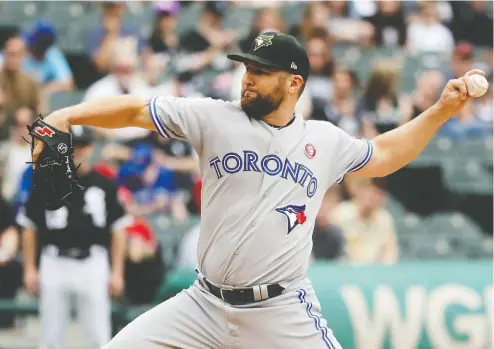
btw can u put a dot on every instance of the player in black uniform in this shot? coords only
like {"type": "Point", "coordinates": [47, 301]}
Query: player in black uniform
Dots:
{"type": "Point", "coordinates": [81, 254]}
{"type": "Point", "coordinates": [10, 268]}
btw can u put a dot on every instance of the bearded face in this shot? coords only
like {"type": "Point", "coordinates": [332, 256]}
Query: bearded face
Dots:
{"type": "Point", "coordinates": [257, 104]}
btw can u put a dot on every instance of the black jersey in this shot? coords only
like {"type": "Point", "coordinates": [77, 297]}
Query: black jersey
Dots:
{"type": "Point", "coordinates": [89, 220]}
{"type": "Point", "coordinates": [7, 219]}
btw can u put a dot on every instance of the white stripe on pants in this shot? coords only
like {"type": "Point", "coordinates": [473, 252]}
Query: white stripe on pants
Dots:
{"type": "Point", "coordinates": [62, 279]}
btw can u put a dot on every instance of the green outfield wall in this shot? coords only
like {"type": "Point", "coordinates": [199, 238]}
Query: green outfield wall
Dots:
{"type": "Point", "coordinates": [427, 304]}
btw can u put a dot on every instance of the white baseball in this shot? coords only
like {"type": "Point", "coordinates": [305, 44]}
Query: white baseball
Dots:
{"type": "Point", "coordinates": [480, 85]}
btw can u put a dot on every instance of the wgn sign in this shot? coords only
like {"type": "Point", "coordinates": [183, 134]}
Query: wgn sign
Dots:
{"type": "Point", "coordinates": [440, 305]}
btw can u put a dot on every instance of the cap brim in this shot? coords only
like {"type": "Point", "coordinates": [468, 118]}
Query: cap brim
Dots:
{"type": "Point", "coordinates": [247, 57]}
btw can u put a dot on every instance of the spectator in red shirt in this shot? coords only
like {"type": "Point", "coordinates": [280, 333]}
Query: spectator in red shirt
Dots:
{"type": "Point", "coordinates": [145, 268]}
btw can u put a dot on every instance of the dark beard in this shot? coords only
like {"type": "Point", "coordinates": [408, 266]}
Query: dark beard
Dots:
{"type": "Point", "coordinates": [259, 107]}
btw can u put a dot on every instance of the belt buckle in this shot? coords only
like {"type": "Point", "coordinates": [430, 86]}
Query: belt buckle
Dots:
{"type": "Point", "coordinates": [222, 289]}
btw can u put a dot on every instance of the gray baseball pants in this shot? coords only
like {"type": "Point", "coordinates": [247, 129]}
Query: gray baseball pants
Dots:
{"type": "Point", "coordinates": [196, 319]}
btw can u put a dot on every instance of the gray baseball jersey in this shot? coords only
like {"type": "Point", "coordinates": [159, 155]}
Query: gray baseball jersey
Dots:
{"type": "Point", "coordinates": [262, 186]}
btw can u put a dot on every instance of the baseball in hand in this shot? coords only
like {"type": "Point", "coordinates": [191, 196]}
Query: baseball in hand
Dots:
{"type": "Point", "coordinates": [479, 84]}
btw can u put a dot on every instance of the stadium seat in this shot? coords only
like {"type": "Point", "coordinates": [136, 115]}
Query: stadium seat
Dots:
{"type": "Point", "coordinates": [404, 222]}
{"type": "Point", "coordinates": [394, 207]}
{"type": "Point", "coordinates": [239, 19]}
{"type": "Point", "coordinates": [407, 224]}
{"type": "Point", "coordinates": [467, 176]}
{"type": "Point", "coordinates": [98, 146]}
{"type": "Point", "coordinates": [73, 38]}
{"type": "Point", "coordinates": [292, 13]}
{"type": "Point", "coordinates": [438, 240]}
{"type": "Point", "coordinates": [176, 281]}
{"type": "Point", "coordinates": [346, 54]}
{"type": "Point", "coordinates": [451, 223]}
{"type": "Point", "coordinates": [468, 244]}
{"type": "Point", "coordinates": [140, 13]}
{"type": "Point", "coordinates": [364, 64]}
{"type": "Point", "coordinates": [415, 64]}
{"type": "Point", "coordinates": [396, 53]}
{"type": "Point", "coordinates": [18, 307]}
{"type": "Point", "coordinates": [31, 307]}
{"type": "Point", "coordinates": [188, 17]}
{"type": "Point", "coordinates": [411, 67]}
{"type": "Point", "coordinates": [132, 312]}
{"type": "Point", "coordinates": [18, 12]}
{"type": "Point", "coordinates": [433, 60]}
{"type": "Point", "coordinates": [418, 245]}
{"type": "Point", "coordinates": [480, 150]}
{"type": "Point", "coordinates": [431, 251]}
{"type": "Point", "coordinates": [407, 84]}
{"type": "Point", "coordinates": [435, 153]}
{"type": "Point", "coordinates": [170, 234]}
{"type": "Point", "coordinates": [61, 12]}
{"type": "Point", "coordinates": [64, 99]}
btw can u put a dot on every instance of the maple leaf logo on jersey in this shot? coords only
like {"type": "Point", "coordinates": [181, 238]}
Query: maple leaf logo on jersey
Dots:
{"type": "Point", "coordinates": [295, 215]}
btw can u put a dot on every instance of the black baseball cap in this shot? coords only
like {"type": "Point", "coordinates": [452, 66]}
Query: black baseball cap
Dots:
{"type": "Point", "coordinates": [279, 51]}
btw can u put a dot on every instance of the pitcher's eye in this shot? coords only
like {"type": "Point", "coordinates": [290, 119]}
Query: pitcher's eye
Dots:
{"type": "Point", "coordinates": [257, 71]}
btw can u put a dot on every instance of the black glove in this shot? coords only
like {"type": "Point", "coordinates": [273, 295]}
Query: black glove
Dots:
{"type": "Point", "coordinates": [55, 174]}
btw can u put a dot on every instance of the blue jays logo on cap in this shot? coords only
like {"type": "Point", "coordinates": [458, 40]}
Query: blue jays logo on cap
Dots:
{"type": "Point", "coordinates": [262, 41]}
{"type": "Point", "coordinates": [295, 215]}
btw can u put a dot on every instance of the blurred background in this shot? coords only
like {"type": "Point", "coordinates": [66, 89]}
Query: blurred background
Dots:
{"type": "Point", "coordinates": [399, 262]}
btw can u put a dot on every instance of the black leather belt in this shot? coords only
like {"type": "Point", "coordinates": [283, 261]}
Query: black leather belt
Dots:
{"type": "Point", "coordinates": [247, 295]}
{"type": "Point", "coordinates": [75, 253]}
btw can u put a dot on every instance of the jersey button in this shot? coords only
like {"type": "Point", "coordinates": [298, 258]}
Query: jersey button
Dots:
{"type": "Point", "coordinates": [236, 252]}
{"type": "Point", "coordinates": [276, 151]}
{"type": "Point", "coordinates": [253, 223]}
{"type": "Point", "coordinates": [266, 193]}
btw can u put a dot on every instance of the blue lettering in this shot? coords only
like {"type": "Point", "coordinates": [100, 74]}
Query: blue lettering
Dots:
{"type": "Point", "coordinates": [307, 172]}
{"type": "Point", "coordinates": [270, 164]}
{"type": "Point", "coordinates": [313, 184]}
{"type": "Point", "coordinates": [214, 163]}
{"type": "Point", "coordinates": [288, 169]}
{"type": "Point", "coordinates": [238, 160]}
{"type": "Point", "coordinates": [266, 160]}
{"type": "Point", "coordinates": [250, 161]}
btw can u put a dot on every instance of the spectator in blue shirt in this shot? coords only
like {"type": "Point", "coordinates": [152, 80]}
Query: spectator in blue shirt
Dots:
{"type": "Point", "coordinates": [463, 126]}
{"type": "Point", "coordinates": [102, 39]}
{"type": "Point", "coordinates": [152, 188]}
{"type": "Point", "coordinates": [25, 184]}
{"type": "Point", "coordinates": [45, 62]}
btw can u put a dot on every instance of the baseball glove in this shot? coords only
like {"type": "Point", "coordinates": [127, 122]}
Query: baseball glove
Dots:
{"type": "Point", "coordinates": [55, 180]}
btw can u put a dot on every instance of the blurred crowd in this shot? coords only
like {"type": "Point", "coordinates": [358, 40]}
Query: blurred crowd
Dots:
{"type": "Point", "coordinates": [160, 176]}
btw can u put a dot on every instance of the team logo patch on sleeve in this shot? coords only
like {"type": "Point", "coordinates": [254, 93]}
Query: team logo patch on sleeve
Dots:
{"type": "Point", "coordinates": [295, 215]}
{"type": "Point", "coordinates": [310, 151]}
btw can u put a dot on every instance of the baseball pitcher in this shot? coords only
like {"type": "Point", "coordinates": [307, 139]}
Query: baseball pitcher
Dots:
{"type": "Point", "coordinates": [265, 171]}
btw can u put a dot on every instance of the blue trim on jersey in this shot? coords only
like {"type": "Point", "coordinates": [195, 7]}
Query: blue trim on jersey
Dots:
{"type": "Point", "coordinates": [364, 162]}
{"type": "Point", "coordinates": [156, 120]}
{"type": "Point", "coordinates": [366, 159]}
{"type": "Point", "coordinates": [317, 319]}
